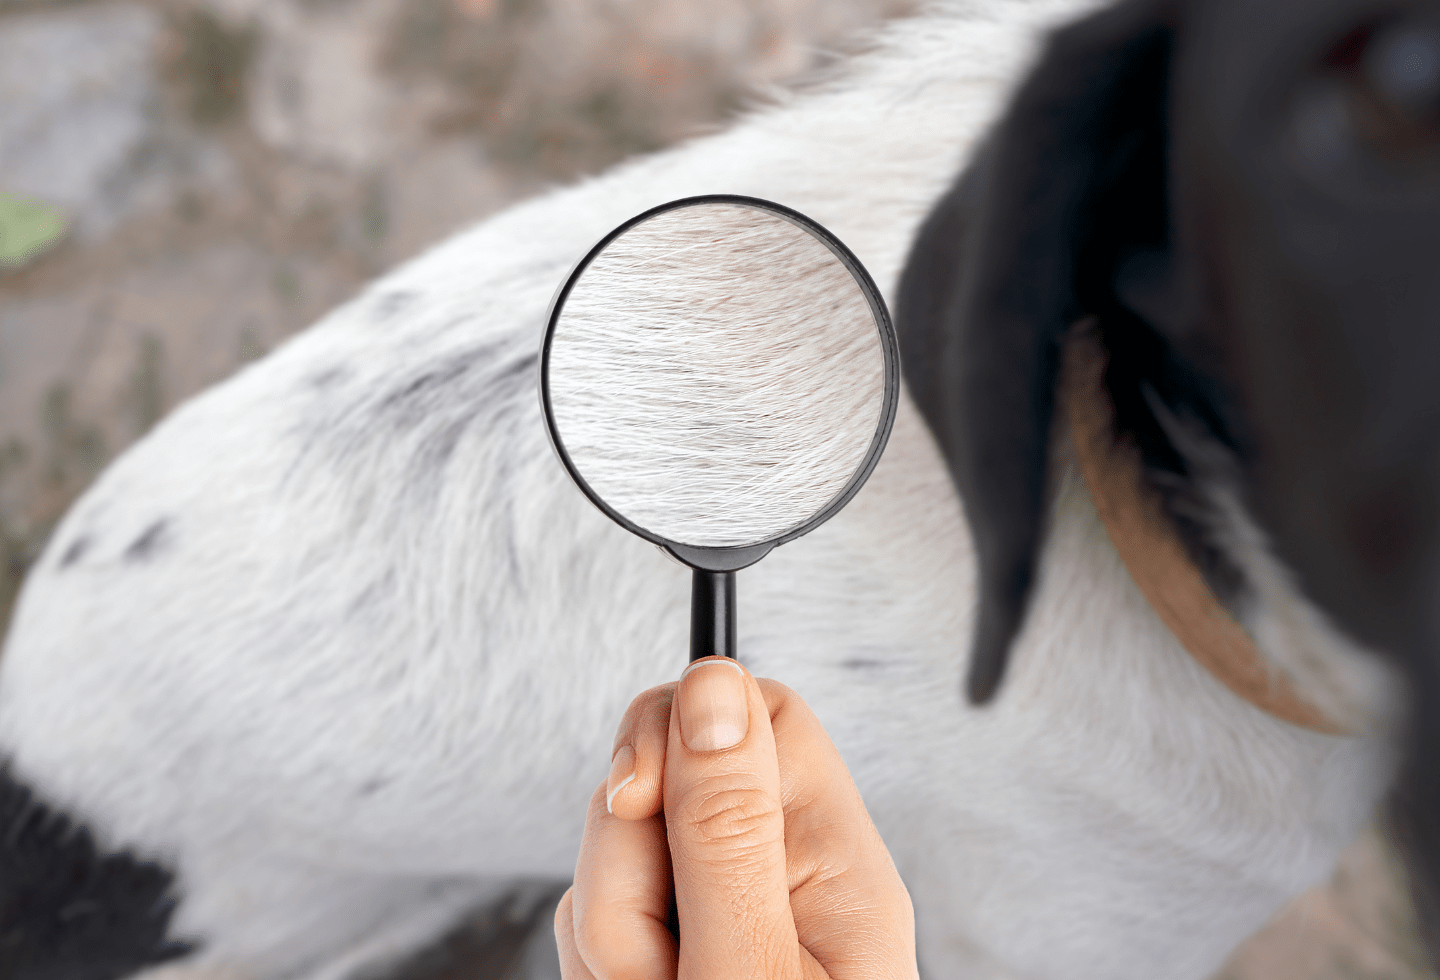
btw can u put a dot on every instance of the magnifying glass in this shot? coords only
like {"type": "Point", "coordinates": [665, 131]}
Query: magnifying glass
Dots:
{"type": "Point", "coordinates": [719, 375]}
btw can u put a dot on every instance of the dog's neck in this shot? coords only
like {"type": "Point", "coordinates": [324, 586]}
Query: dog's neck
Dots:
{"type": "Point", "coordinates": [1148, 545]}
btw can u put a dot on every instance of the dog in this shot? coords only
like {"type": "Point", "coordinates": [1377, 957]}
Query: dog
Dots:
{"type": "Point", "coordinates": [332, 657]}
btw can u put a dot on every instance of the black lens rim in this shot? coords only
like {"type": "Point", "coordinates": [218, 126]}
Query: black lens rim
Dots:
{"type": "Point", "coordinates": [722, 559]}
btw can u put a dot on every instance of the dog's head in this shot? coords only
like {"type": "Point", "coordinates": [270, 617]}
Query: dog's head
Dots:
{"type": "Point", "coordinates": [1246, 196]}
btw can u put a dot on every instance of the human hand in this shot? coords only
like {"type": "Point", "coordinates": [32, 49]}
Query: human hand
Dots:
{"type": "Point", "coordinates": [762, 863]}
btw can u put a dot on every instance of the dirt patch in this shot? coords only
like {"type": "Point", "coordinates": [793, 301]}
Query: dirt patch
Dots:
{"type": "Point", "coordinates": [560, 117]}
{"type": "Point", "coordinates": [207, 62]}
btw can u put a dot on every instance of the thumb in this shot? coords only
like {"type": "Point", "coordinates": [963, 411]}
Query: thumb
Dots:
{"type": "Point", "coordinates": [726, 830]}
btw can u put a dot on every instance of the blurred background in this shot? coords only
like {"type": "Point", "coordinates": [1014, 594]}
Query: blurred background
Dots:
{"type": "Point", "coordinates": [185, 183]}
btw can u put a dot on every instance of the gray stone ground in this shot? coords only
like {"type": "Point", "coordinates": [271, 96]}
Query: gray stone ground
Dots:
{"type": "Point", "coordinates": [227, 170]}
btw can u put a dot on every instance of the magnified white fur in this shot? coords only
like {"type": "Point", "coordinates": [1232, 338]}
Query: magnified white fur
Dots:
{"type": "Point", "coordinates": [717, 375]}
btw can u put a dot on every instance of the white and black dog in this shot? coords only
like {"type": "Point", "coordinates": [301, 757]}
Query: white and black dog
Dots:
{"type": "Point", "coordinates": [336, 653]}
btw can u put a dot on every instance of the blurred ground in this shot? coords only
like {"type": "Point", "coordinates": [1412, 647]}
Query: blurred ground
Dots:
{"type": "Point", "coordinates": [184, 183]}
{"type": "Point", "coordinates": [227, 170]}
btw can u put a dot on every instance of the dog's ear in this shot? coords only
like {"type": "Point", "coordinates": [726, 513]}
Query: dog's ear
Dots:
{"type": "Point", "coordinates": [1044, 227]}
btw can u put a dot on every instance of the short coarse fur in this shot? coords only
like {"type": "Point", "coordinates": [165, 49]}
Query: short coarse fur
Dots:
{"type": "Point", "coordinates": [708, 423]}
{"type": "Point", "coordinates": [365, 673]}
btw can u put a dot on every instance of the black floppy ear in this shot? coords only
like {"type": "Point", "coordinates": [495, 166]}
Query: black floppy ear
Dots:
{"type": "Point", "coordinates": [1027, 242]}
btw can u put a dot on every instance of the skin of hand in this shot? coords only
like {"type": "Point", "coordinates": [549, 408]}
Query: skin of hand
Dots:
{"type": "Point", "coordinates": [730, 821]}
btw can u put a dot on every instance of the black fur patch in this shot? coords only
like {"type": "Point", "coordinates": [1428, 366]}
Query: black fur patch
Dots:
{"type": "Point", "coordinates": [491, 942]}
{"type": "Point", "coordinates": [75, 551]}
{"type": "Point", "coordinates": [69, 911]}
{"type": "Point", "coordinates": [419, 397]}
{"type": "Point", "coordinates": [372, 786]}
{"type": "Point", "coordinates": [328, 378]}
{"type": "Point", "coordinates": [150, 542]}
{"type": "Point", "coordinates": [389, 305]}
{"type": "Point", "coordinates": [1016, 253]}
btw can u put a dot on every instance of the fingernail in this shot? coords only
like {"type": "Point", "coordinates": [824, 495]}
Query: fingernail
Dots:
{"type": "Point", "coordinates": [622, 770]}
{"type": "Point", "coordinates": [714, 713]}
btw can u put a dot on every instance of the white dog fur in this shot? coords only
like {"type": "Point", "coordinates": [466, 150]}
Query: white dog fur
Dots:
{"type": "Point", "coordinates": [728, 421]}
{"type": "Point", "coordinates": [341, 641]}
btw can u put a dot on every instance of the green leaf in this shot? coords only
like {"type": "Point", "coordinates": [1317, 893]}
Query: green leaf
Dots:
{"type": "Point", "coordinates": [27, 228]}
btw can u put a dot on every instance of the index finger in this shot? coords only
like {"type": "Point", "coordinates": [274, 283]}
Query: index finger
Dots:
{"type": "Point", "coordinates": [726, 829]}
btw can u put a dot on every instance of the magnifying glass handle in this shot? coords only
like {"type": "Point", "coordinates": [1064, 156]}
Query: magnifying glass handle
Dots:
{"type": "Point", "coordinates": [712, 614]}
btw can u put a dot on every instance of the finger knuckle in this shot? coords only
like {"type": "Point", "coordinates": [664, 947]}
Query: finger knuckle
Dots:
{"type": "Point", "coordinates": [736, 819]}
{"type": "Point", "coordinates": [648, 717]}
{"type": "Point", "coordinates": [564, 912]}
{"type": "Point", "coordinates": [610, 952]}
{"type": "Point", "coordinates": [590, 935]}
{"type": "Point", "coordinates": [650, 706]}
